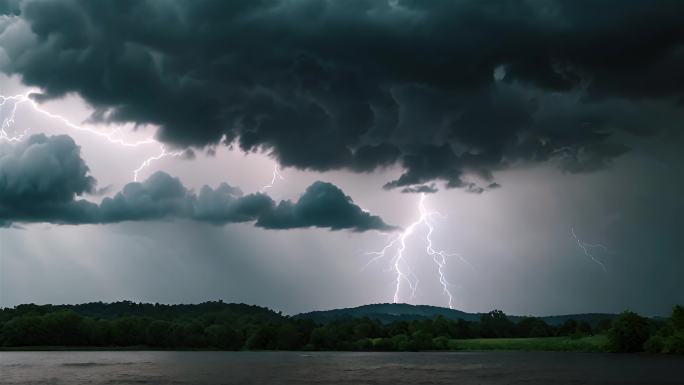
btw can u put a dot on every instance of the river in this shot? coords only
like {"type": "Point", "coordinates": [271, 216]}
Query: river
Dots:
{"type": "Point", "coordinates": [282, 368]}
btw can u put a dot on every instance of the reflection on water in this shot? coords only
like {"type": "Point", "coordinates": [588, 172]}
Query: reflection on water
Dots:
{"type": "Point", "coordinates": [336, 368]}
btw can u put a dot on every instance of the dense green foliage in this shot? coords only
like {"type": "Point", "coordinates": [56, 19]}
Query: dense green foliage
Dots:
{"type": "Point", "coordinates": [208, 325]}
{"type": "Point", "coordinates": [628, 333]}
{"type": "Point", "coordinates": [217, 325]}
{"type": "Point", "coordinates": [670, 337]}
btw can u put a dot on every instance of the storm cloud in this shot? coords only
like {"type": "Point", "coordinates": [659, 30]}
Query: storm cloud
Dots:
{"type": "Point", "coordinates": [42, 177]}
{"type": "Point", "coordinates": [446, 89]}
{"type": "Point", "coordinates": [322, 205]}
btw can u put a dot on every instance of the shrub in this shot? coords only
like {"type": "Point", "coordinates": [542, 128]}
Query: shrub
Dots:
{"type": "Point", "coordinates": [440, 343]}
{"type": "Point", "coordinates": [674, 344]}
{"type": "Point", "coordinates": [628, 333]}
{"type": "Point", "coordinates": [655, 344]}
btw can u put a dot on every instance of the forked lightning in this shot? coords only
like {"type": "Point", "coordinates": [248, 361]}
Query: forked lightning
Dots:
{"type": "Point", "coordinates": [401, 266]}
{"type": "Point", "coordinates": [110, 137]}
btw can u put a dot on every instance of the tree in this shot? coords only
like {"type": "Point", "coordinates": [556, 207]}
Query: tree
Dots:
{"type": "Point", "coordinates": [677, 317]}
{"type": "Point", "coordinates": [569, 327]}
{"type": "Point", "coordinates": [628, 333]}
{"type": "Point", "coordinates": [583, 328]}
{"type": "Point", "coordinates": [440, 326]}
{"type": "Point", "coordinates": [324, 337]}
{"type": "Point", "coordinates": [289, 338]}
{"type": "Point", "coordinates": [222, 337]}
{"type": "Point", "coordinates": [129, 331]}
{"type": "Point", "coordinates": [603, 325]}
{"type": "Point", "coordinates": [496, 324]}
{"type": "Point", "coordinates": [462, 329]}
{"type": "Point", "coordinates": [25, 331]}
{"type": "Point", "coordinates": [101, 333]}
{"type": "Point", "coordinates": [158, 333]}
{"type": "Point", "coordinates": [364, 328]}
{"type": "Point", "coordinates": [65, 328]}
{"type": "Point", "coordinates": [402, 342]}
{"type": "Point", "coordinates": [421, 340]}
{"type": "Point", "coordinates": [263, 338]}
{"type": "Point", "coordinates": [532, 327]}
{"type": "Point", "coordinates": [440, 343]}
{"type": "Point", "coordinates": [193, 334]}
{"type": "Point", "coordinates": [670, 338]}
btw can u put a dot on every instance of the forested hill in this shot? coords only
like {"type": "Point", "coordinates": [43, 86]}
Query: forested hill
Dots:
{"type": "Point", "coordinates": [386, 313]}
{"type": "Point", "coordinates": [101, 310]}
{"type": "Point", "coordinates": [392, 312]}
{"type": "Point", "coordinates": [219, 325]}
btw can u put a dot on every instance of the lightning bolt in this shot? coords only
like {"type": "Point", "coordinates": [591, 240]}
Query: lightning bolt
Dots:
{"type": "Point", "coordinates": [8, 121]}
{"type": "Point", "coordinates": [399, 263]}
{"type": "Point", "coordinates": [111, 137]}
{"type": "Point", "coordinates": [148, 161]}
{"type": "Point", "coordinates": [586, 248]}
{"type": "Point", "coordinates": [276, 175]}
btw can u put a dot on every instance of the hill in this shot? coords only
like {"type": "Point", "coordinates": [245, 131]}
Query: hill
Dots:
{"type": "Point", "coordinates": [108, 311]}
{"type": "Point", "coordinates": [383, 312]}
{"type": "Point", "coordinates": [388, 313]}
{"type": "Point", "coordinates": [227, 326]}
{"type": "Point", "coordinates": [391, 312]}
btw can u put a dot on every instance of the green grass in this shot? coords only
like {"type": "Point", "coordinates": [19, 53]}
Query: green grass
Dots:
{"type": "Point", "coordinates": [564, 344]}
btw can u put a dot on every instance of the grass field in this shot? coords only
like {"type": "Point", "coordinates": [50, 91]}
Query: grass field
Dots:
{"type": "Point", "coordinates": [567, 344]}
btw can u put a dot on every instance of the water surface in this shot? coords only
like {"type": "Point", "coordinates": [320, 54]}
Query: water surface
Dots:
{"type": "Point", "coordinates": [284, 368]}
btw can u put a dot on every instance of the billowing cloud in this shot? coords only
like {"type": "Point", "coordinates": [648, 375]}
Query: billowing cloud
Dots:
{"type": "Point", "coordinates": [443, 88]}
{"type": "Point", "coordinates": [43, 169]}
{"type": "Point", "coordinates": [160, 196]}
{"type": "Point", "coordinates": [41, 178]}
{"type": "Point", "coordinates": [227, 204]}
{"type": "Point", "coordinates": [322, 205]}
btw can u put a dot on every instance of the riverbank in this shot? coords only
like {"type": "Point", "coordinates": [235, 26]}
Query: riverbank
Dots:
{"type": "Point", "coordinates": [561, 344]}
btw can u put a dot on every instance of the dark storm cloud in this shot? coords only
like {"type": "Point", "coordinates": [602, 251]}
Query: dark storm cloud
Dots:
{"type": "Point", "coordinates": [9, 7]}
{"type": "Point", "coordinates": [41, 177]}
{"type": "Point", "coordinates": [323, 205]}
{"type": "Point", "coordinates": [162, 196]}
{"type": "Point", "coordinates": [444, 88]}
{"type": "Point", "coordinates": [159, 196]}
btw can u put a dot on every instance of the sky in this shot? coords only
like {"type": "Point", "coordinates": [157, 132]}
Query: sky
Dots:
{"type": "Point", "coordinates": [305, 155]}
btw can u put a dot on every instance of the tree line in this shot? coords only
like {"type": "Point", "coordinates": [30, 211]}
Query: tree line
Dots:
{"type": "Point", "coordinates": [217, 325]}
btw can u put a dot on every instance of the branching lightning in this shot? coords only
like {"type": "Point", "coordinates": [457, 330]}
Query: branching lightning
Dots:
{"type": "Point", "coordinates": [587, 247]}
{"type": "Point", "coordinates": [276, 175]}
{"type": "Point", "coordinates": [148, 161]}
{"type": "Point", "coordinates": [8, 121]}
{"type": "Point", "coordinates": [112, 137]}
{"type": "Point", "coordinates": [399, 263]}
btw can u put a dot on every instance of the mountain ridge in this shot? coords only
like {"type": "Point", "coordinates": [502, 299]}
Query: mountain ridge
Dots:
{"type": "Point", "coordinates": [391, 312]}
